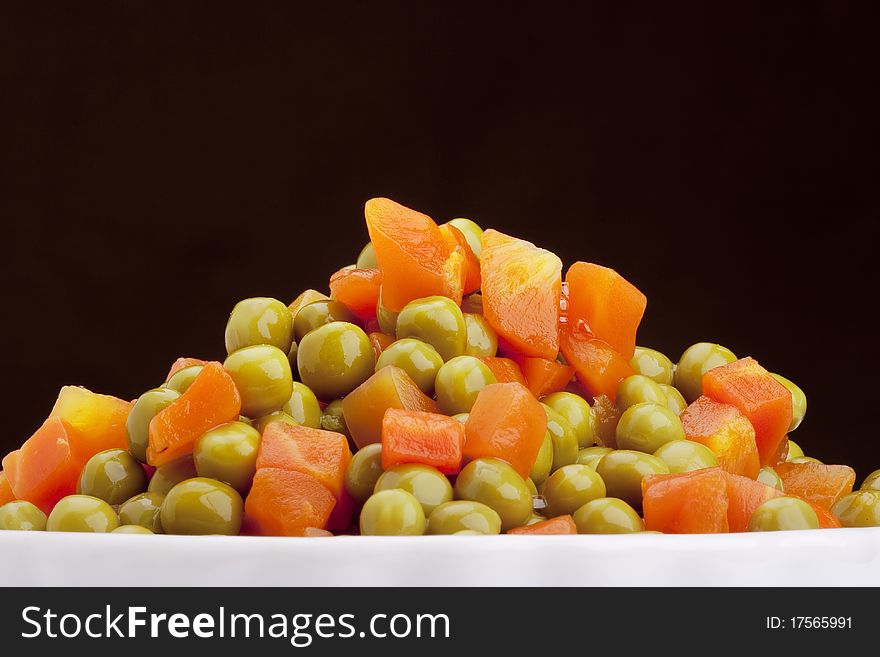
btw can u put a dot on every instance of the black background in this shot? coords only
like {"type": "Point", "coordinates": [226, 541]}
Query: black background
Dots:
{"type": "Point", "coordinates": [160, 162]}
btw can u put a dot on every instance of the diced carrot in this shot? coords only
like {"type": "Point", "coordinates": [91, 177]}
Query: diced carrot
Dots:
{"type": "Point", "coordinates": [365, 406]}
{"type": "Point", "coordinates": [688, 503]}
{"type": "Point", "coordinates": [304, 299]}
{"type": "Point", "coordinates": [182, 363]}
{"type": "Point", "coordinates": [44, 470]}
{"type": "Point", "coordinates": [760, 397]}
{"type": "Point", "coordinates": [781, 454]}
{"type": "Point", "coordinates": [414, 258]}
{"type": "Point", "coordinates": [508, 423]}
{"type": "Point", "coordinates": [322, 454]}
{"type": "Point", "coordinates": [827, 520]}
{"type": "Point", "coordinates": [6, 494]}
{"type": "Point", "coordinates": [418, 437]}
{"type": "Point", "coordinates": [744, 495]}
{"type": "Point", "coordinates": [521, 285]}
{"type": "Point", "coordinates": [817, 483]}
{"type": "Point", "coordinates": [97, 422]}
{"type": "Point", "coordinates": [456, 239]}
{"type": "Point", "coordinates": [286, 502]}
{"type": "Point", "coordinates": [557, 525]}
{"type": "Point", "coordinates": [545, 376]}
{"type": "Point", "coordinates": [358, 289]}
{"type": "Point", "coordinates": [504, 369]}
{"type": "Point", "coordinates": [211, 400]}
{"type": "Point", "coordinates": [598, 367]}
{"type": "Point", "coordinates": [380, 342]}
{"type": "Point", "coordinates": [726, 431]}
{"type": "Point", "coordinates": [609, 305]}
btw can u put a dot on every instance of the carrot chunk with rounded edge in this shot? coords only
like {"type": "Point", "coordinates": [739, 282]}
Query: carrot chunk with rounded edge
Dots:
{"type": "Point", "coordinates": [689, 503]}
{"type": "Point", "coordinates": [545, 376]}
{"type": "Point", "coordinates": [521, 285]}
{"type": "Point", "coordinates": [504, 369]}
{"type": "Point", "coordinates": [365, 406]}
{"type": "Point", "coordinates": [418, 437]}
{"type": "Point", "coordinates": [508, 423]}
{"type": "Point", "coordinates": [182, 363]}
{"type": "Point", "coordinates": [599, 369]}
{"type": "Point", "coordinates": [818, 483]}
{"type": "Point", "coordinates": [97, 422]}
{"type": "Point", "coordinates": [212, 399]}
{"type": "Point", "coordinates": [379, 342]}
{"type": "Point", "coordinates": [6, 494]}
{"type": "Point", "coordinates": [413, 256]}
{"type": "Point", "coordinates": [607, 303]}
{"type": "Point", "coordinates": [286, 502]}
{"type": "Point", "coordinates": [471, 268]}
{"type": "Point", "coordinates": [321, 454]}
{"type": "Point", "coordinates": [358, 289]}
{"type": "Point", "coordinates": [304, 299]}
{"type": "Point", "coordinates": [726, 431]}
{"type": "Point", "coordinates": [760, 397]}
{"type": "Point", "coordinates": [557, 525]}
{"type": "Point", "coordinates": [744, 495]}
{"type": "Point", "coordinates": [45, 469]}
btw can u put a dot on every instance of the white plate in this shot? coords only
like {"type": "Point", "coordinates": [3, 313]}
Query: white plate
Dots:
{"type": "Point", "coordinates": [841, 557]}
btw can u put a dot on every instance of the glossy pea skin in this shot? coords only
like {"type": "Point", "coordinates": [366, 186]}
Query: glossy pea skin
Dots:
{"type": "Point", "coordinates": [261, 423]}
{"type": "Point", "coordinates": [646, 427]}
{"type": "Point", "coordinates": [497, 485]}
{"type": "Point", "coordinates": [137, 425]}
{"type": "Point", "coordinates": [387, 319]}
{"type": "Point", "coordinates": [459, 382]}
{"type": "Point", "coordinates": [577, 412]}
{"type": "Point", "coordinates": [769, 477]}
{"type": "Point", "coordinates": [428, 485]}
{"type": "Point", "coordinates": [481, 338]}
{"type": "Point", "coordinates": [183, 379]}
{"type": "Point", "coordinates": [570, 487]}
{"type": "Point", "coordinates": [592, 455]}
{"type": "Point", "coordinates": [798, 401]}
{"type": "Point", "coordinates": [170, 474]}
{"type": "Point", "coordinates": [113, 475]}
{"type": "Point", "coordinates": [143, 510]}
{"type": "Point", "coordinates": [871, 482]}
{"type": "Point", "coordinates": [228, 453]}
{"type": "Point", "coordinates": [263, 377]}
{"type": "Point", "coordinates": [622, 471]}
{"type": "Point", "coordinates": [463, 515]}
{"type": "Point", "coordinates": [543, 464]}
{"type": "Point", "coordinates": [638, 389]}
{"type": "Point", "coordinates": [303, 406]}
{"type": "Point", "coordinates": [334, 359]}
{"type": "Point", "coordinates": [860, 508]}
{"type": "Point", "coordinates": [367, 257]}
{"type": "Point", "coordinates": [686, 456]}
{"type": "Point", "coordinates": [437, 321]}
{"type": "Point", "coordinates": [653, 364]}
{"type": "Point", "coordinates": [259, 320]}
{"type": "Point", "coordinates": [534, 519]}
{"type": "Point", "coordinates": [533, 489]}
{"type": "Point", "coordinates": [20, 515]}
{"type": "Point", "coordinates": [418, 359]}
{"type": "Point", "coordinates": [318, 313]}
{"type": "Point", "coordinates": [794, 450]}
{"type": "Point", "coordinates": [333, 419]}
{"type": "Point", "coordinates": [393, 512]}
{"type": "Point", "coordinates": [131, 529]}
{"type": "Point", "coordinates": [565, 442]}
{"type": "Point", "coordinates": [202, 506]}
{"type": "Point", "coordinates": [607, 515]}
{"type": "Point", "coordinates": [472, 233]}
{"type": "Point", "coordinates": [363, 472]}
{"type": "Point", "coordinates": [783, 513]}
{"type": "Point", "coordinates": [675, 401]}
{"type": "Point", "coordinates": [82, 513]}
{"type": "Point", "coordinates": [461, 417]}
{"type": "Point", "coordinates": [695, 362]}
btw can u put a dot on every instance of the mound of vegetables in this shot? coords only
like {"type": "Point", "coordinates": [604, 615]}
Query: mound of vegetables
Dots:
{"type": "Point", "coordinates": [453, 381]}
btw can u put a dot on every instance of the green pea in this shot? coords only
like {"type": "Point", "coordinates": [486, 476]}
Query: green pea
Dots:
{"type": "Point", "coordinates": [686, 456]}
{"type": "Point", "coordinates": [592, 455]}
{"type": "Point", "coordinates": [387, 319]}
{"type": "Point", "coordinates": [570, 487]}
{"type": "Point", "coordinates": [318, 313]}
{"type": "Point", "coordinates": [695, 362]}
{"type": "Point", "coordinates": [646, 427]}
{"type": "Point", "coordinates": [653, 364]}
{"type": "Point", "coordinates": [170, 474]}
{"type": "Point", "coordinates": [804, 459]}
{"type": "Point", "coordinates": [303, 406]}
{"type": "Point", "coordinates": [82, 513]}
{"type": "Point", "coordinates": [463, 515]}
{"type": "Point", "coordinates": [871, 482]}
{"type": "Point", "coordinates": [183, 379]}
{"type": "Point", "coordinates": [798, 401]}
{"type": "Point", "coordinates": [113, 475]}
{"type": "Point", "coordinates": [459, 382]}
{"type": "Point", "coordinates": [794, 450]}
{"type": "Point", "coordinates": [675, 402]}
{"type": "Point", "coordinates": [202, 506]}
{"type": "Point", "coordinates": [860, 508]}
{"type": "Point", "coordinates": [131, 529]}
{"type": "Point", "coordinates": [334, 359]}
{"type": "Point", "coordinates": [143, 510]}
{"type": "Point", "coordinates": [228, 453]}
{"type": "Point", "coordinates": [543, 464]}
{"type": "Point", "coordinates": [437, 321]}
{"type": "Point", "coordinates": [783, 513]}
{"type": "Point", "coordinates": [263, 378]}
{"type": "Point", "coordinates": [367, 258]}
{"type": "Point", "coordinates": [481, 338]}
{"type": "Point", "coordinates": [20, 515]}
{"type": "Point", "coordinates": [769, 477]}
{"type": "Point", "coordinates": [472, 233]}
{"type": "Point", "coordinates": [461, 417]}
{"type": "Point", "coordinates": [278, 416]}
{"type": "Point", "coordinates": [418, 359]}
{"type": "Point", "coordinates": [623, 470]}
{"type": "Point", "coordinates": [639, 389]}
{"type": "Point", "coordinates": [533, 488]}
{"type": "Point", "coordinates": [497, 485]}
{"type": "Point", "coordinates": [393, 512]}
{"type": "Point", "coordinates": [333, 419]}
{"type": "Point", "coordinates": [137, 425]}
{"type": "Point", "coordinates": [260, 320]}
{"type": "Point", "coordinates": [607, 515]}
{"type": "Point", "coordinates": [577, 412]}
{"type": "Point", "coordinates": [534, 519]}
{"type": "Point", "coordinates": [428, 485]}
{"type": "Point", "coordinates": [363, 472]}
{"type": "Point", "coordinates": [565, 442]}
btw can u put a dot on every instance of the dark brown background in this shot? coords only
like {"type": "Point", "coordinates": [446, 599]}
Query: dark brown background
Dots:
{"type": "Point", "coordinates": [161, 162]}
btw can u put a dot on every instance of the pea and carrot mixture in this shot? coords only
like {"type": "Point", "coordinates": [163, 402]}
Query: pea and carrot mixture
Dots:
{"type": "Point", "coordinates": [452, 381]}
